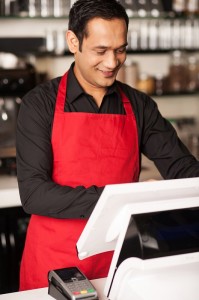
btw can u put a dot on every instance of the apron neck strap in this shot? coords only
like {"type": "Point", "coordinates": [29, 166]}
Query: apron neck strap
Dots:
{"type": "Point", "coordinates": [61, 96]}
{"type": "Point", "coordinates": [127, 105]}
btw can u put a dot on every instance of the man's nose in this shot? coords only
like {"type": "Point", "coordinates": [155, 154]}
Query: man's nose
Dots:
{"type": "Point", "coordinates": [111, 61]}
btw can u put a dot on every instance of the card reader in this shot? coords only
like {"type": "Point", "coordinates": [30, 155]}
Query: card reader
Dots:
{"type": "Point", "coordinates": [70, 283]}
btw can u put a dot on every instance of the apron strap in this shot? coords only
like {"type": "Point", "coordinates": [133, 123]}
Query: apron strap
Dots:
{"type": "Point", "coordinates": [127, 105]}
{"type": "Point", "coordinates": [61, 96]}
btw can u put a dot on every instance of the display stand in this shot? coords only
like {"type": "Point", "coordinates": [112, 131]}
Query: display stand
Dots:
{"type": "Point", "coordinates": [156, 266]}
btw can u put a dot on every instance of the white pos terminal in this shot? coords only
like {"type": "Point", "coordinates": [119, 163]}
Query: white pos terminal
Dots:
{"type": "Point", "coordinates": [153, 228]}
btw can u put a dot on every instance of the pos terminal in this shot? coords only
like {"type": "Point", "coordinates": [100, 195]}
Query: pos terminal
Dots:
{"type": "Point", "coordinates": [153, 228]}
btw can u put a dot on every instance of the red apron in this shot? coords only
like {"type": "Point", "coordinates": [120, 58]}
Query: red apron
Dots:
{"type": "Point", "coordinates": [89, 149]}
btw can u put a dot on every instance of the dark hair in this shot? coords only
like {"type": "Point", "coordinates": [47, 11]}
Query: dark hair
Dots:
{"type": "Point", "coordinates": [83, 11]}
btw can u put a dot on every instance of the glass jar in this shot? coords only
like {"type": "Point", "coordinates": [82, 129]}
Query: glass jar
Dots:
{"type": "Point", "coordinates": [131, 73]}
{"type": "Point", "coordinates": [192, 7]}
{"type": "Point", "coordinates": [146, 84]}
{"type": "Point", "coordinates": [178, 72]}
{"type": "Point", "coordinates": [192, 74]}
{"type": "Point", "coordinates": [179, 7]}
{"type": "Point", "coordinates": [159, 84]}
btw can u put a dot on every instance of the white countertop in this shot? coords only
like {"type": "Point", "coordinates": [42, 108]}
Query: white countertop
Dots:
{"type": "Point", "coordinates": [42, 294]}
{"type": "Point", "coordinates": [9, 193]}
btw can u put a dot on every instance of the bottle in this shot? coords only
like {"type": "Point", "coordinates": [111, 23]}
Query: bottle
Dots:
{"type": "Point", "coordinates": [61, 8]}
{"type": "Point", "coordinates": [177, 72]}
{"type": "Point", "coordinates": [146, 84]}
{"type": "Point", "coordinates": [192, 74]}
{"type": "Point", "coordinates": [159, 84]}
{"type": "Point", "coordinates": [144, 35]}
{"type": "Point", "coordinates": [164, 34]}
{"type": "Point", "coordinates": [23, 8]}
{"type": "Point", "coordinates": [60, 42]}
{"type": "Point", "coordinates": [50, 40]}
{"type": "Point", "coordinates": [192, 7]}
{"type": "Point", "coordinates": [134, 36]}
{"type": "Point", "coordinates": [189, 34]}
{"type": "Point", "coordinates": [196, 34]}
{"type": "Point", "coordinates": [175, 34]}
{"type": "Point", "coordinates": [179, 7]}
{"type": "Point", "coordinates": [131, 73]}
{"type": "Point", "coordinates": [32, 8]}
{"type": "Point", "coordinates": [153, 35]}
{"type": "Point", "coordinates": [143, 8]}
{"type": "Point", "coordinates": [130, 7]}
{"type": "Point", "coordinates": [156, 8]}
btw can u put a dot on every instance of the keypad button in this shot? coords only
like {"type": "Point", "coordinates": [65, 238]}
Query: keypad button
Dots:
{"type": "Point", "coordinates": [76, 293]}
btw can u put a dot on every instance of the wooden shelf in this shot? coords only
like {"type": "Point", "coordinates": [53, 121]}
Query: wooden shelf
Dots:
{"type": "Point", "coordinates": [7, 152]}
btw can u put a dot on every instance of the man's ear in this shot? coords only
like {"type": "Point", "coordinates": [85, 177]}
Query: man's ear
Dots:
{"type": "Point", "coordinates": [72, 41]}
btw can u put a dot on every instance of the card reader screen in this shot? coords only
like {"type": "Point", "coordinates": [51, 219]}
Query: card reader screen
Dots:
{"type": "Point", "coordinates": [69, 274]}
{"type": "Point", "coordinates": [162, 233]}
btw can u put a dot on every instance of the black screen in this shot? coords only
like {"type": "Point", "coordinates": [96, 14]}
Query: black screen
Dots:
{"type": "Point", "coordinates": [68, 274]}
{"type": "Point", "coordinates": [160, 234]}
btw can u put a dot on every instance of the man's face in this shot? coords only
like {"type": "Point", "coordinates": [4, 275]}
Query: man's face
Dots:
{"type": "Point", "coordinates": [103, 53]}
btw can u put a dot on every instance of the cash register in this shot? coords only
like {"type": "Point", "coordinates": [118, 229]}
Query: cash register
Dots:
{"type": "Point", "coordinates": [153, 228]}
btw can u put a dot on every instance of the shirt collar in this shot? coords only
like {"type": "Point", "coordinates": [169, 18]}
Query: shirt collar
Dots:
{"type": "Point", "coordinates": [74, 89]}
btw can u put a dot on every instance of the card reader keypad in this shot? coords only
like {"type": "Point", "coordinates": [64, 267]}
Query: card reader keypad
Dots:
{"type": "Point", "coordinates": [80, 287]}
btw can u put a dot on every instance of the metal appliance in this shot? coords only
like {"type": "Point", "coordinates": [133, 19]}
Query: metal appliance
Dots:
{"type": "Point", "coordinates": [14, 83]}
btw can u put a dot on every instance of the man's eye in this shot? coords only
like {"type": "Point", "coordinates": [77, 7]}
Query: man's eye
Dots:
{"type": "Point", "coordinates": [101, 52]}
{"type": "Point", "coordinates": [122, 50]}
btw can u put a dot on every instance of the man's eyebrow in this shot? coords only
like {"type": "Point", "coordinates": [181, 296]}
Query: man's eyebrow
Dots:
{"type": "Point", "coordinates": [100, 47]}
{"type": "Point", "coordinates": [105, 47]}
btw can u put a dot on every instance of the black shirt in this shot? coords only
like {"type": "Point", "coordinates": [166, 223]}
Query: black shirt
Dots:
{"type": "Point", "coordinates": [39, 194]}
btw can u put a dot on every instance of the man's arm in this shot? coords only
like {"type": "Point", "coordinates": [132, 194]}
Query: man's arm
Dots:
{"type": "Point", "coordinates": [39, 194]}
{"type": "Point", "coordinates": [161, 144]}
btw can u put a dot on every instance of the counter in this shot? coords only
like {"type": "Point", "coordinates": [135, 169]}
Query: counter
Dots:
{"type": "Point", "coordinates": [9, 194]}
{"type": "Point", "coordinates": [42, 294]}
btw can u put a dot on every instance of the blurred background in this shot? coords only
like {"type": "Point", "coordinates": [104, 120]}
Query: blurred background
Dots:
{"type": "Point", "coordinates": [162, 61]}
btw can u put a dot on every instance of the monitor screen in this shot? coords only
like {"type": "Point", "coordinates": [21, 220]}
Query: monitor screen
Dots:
{"type": "Point", "coordinates": [158, 234]}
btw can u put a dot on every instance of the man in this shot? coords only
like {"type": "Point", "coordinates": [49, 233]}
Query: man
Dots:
{"type": "Point", "coordinates": [80, 132]}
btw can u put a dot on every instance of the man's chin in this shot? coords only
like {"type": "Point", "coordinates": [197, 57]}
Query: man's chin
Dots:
{"type": "Point", "coordinates": [108, 81]}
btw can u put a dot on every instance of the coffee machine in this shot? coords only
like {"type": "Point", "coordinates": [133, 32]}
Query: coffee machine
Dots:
{"type": "Point", "coordinates": [15, 82]}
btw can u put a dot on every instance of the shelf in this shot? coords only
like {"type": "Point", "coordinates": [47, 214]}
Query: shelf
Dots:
{"type": "Point", "coordinates": [153, 42]}
{"type": "Point", "coordinates": [23, 47]}
{"type": "Point", "coordinates": [65, 18]}
{"type": "Point", "coordinates": [7, 152]}
{"type": "Point", "coordinates": [171, 95]}
{"type": "Point", "coordinates": [162, 16]}
{"type": "Point", "coordinates": [160, 51]}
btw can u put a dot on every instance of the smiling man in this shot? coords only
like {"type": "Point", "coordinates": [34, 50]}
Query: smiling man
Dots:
{"type": "Point", "coordinates": [79, 132]}
{"type": "Point", "coordinates": [102, 53]}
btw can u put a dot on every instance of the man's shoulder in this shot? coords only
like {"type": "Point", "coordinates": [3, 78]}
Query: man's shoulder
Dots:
{"type": "Point", "coordinates": [132, 93]}
{"type": "Point", "coordinates": [48, 86]}
{"type": "Point", "coordinates": [44, 89]}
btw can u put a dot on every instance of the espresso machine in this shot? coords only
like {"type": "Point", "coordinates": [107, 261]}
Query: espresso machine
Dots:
{"type": "Point", "coordinates": [16, 79]}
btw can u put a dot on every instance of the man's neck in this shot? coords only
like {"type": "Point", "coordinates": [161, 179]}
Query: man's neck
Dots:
{"type": "Point", "coordinates": [96, 92]}
{"type": "Point", "coordinates": [97, 96]}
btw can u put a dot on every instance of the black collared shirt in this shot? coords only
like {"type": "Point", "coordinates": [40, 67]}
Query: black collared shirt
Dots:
{"type": "Point", "coordinates": [39, 194]}
{"type": "Point", "coordinates": [78, 101]}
